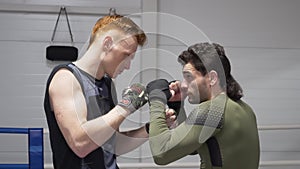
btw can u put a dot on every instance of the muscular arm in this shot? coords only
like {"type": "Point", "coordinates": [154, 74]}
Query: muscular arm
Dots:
{"type": "Point", "coordinates": [170, 145]}
{"type": "Point", "coordinates": [129, 140]}
{"type": "Point", "coordinates": [70, 110]}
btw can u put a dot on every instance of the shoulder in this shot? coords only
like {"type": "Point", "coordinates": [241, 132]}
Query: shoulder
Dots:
{"type": "Point", "coordinates": [238, 106]}
{"type": "Point", "coordinates": [63, 81]}
{"type": "Point", "coordinates": [249, 111]}
{"type": "Point", "coordinates": [244, 105]}
{"type": "Point", "coordinates": [238, 112]}
{"type": "Point", "coordinates": [62, 76]}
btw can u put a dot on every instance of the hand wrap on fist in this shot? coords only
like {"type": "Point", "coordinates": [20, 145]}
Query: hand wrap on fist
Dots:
{"type": "Point", "coordinates": [159, 90]}
{"type": "Point", "coordinates": [178, 102]}
{"type": "Point", "coordinates": [133, 97]}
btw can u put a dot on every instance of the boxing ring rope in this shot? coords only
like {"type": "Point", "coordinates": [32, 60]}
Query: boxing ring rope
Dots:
{"type": "Point", "coordinates": [35, 148]}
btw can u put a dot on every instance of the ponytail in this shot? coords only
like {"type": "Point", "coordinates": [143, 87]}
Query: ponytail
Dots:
{"type": "Point", "coordinates": [234, 90]}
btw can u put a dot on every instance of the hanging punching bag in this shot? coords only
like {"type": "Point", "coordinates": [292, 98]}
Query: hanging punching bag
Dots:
{"type": "Point", "coordinates": [62, 52]}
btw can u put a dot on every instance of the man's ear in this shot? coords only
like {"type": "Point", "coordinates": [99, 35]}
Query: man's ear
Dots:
{"type": "Point", "coordinates": [107, 43]}
{"type": "Point", "coordinates": [213, 77]}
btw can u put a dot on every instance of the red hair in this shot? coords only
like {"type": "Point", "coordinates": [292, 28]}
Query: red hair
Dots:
{"type": "Point", "coordinates": [118, 22]}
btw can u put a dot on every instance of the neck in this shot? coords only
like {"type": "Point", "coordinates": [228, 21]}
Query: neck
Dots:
{"type": "Point", "coordinates": [215, 92]}
{"type": "Point", "coordinates": [90, 62]}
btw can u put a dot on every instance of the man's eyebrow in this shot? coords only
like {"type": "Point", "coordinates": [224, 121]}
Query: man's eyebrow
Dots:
{"type": "Point", "coordinates": [186, 72]}
{"type": "Point", "coordinates": [124, 42]}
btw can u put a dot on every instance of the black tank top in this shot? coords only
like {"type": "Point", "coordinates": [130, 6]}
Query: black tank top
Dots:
{"type": "Point", "coordinates": [100, 98]}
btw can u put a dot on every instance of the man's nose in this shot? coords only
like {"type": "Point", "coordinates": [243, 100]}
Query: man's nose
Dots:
{"type": "Point", "coordinates": [183, 86]}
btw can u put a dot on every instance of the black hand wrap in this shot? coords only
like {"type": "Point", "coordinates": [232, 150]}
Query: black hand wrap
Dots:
{"type": "Point", "coordinates": [175, 105]}
{"type": "Point", "coordinates": [159, 90]}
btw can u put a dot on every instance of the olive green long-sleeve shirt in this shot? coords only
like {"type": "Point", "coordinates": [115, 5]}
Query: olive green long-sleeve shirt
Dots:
{"type": "Point", "coordinates": [223, 132]}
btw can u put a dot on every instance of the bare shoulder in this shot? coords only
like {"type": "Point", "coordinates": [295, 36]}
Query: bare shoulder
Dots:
{"type": "Point", "coordinates": [62, 82]}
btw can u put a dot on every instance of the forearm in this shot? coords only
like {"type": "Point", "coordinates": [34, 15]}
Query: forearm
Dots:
{"type": "Point", "coordinates": [101, 129]}
{"type": "Point", "coordinates": [181, 117]}
{"type": "Point", "coordinates": [159, 134]}
{"type": "Point", "coordinates": [158, 123]}
{"type": "Point", "coordinates": [166, 145]}
{"type": "Point", "coordinates": [129, 140]}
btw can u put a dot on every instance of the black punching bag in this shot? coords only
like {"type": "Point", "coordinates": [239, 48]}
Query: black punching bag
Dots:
{"type": "Point", "coordinates": [61, 52]}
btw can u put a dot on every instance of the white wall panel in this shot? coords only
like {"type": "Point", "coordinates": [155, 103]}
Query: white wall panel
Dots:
{"type": "Point", "coordinates": [268, 23]}
{"type": "Point", "coordinates": [270, 78]}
